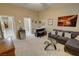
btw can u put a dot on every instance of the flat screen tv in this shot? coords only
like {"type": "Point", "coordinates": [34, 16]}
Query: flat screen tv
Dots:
{"type": "Point", "coordinates": [68, 21]}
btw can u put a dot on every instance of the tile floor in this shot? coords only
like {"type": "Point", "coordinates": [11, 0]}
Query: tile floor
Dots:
{"type": "Point", "coordinates": [33, 46]}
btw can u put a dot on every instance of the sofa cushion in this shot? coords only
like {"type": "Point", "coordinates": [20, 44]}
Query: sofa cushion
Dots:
{"type": "Point", "coordinates": [53, 36]}
{"type": "Point", "coordinates": [72, 47]}
{"type": "Point", "coordinates": [52, 32]}
{"type": "Point", "coordinates": [60, 33]}
{"type": "Point", "coordinates": [77, 38]}
{"type": "Point", "coordinates": [73, 43]}
{"type": "Point", "coordinates": [62, 40]}
{"type": "Point", "coordinates": [68, 35]}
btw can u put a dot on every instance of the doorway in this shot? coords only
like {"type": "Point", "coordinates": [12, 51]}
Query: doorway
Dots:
{"type": "Point", "coordinates": [8, 28]}
{"type": "Point", "coordinates": [28, 26]}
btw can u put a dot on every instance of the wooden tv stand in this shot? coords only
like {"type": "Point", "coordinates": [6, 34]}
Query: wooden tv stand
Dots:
{"type": "Point", "coordinates": [7, 48]}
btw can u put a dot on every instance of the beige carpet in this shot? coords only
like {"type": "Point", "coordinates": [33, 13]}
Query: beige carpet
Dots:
{"type": "Point", "coordinates": [33, 46]}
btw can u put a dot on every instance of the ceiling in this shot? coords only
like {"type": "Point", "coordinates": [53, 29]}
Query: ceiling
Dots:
{"type": "Point", "coordinates": [42, 6]}
{"type": "Point", "coordinates": [34, 6]}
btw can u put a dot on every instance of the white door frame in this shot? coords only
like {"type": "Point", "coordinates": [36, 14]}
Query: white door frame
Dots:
{"type": "Point", "coordinates": [9, 17]}
{"type": "Point", "coordinates": [28, 26]}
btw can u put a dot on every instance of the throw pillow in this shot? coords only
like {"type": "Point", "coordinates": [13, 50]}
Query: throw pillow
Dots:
{"type": "Point", "coordinates": [77, 37]}
{"type": "Point", "coordinates": [68, 35]}
{"type": "Point", "coordinates": [60, 33]}
{"type": "Point", "coordinates": [53, 32]}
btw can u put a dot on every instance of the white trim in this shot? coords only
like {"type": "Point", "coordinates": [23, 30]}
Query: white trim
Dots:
{"type": "Point", "coordinates": [30, 26]}
{"type": "Point", "coordinates": [9, 17]}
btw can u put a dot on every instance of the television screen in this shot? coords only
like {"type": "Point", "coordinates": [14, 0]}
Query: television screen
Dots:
{"type": "Point", "coordinates": [69, 21]}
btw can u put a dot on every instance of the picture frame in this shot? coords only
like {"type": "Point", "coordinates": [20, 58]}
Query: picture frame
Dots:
{"type": "Point", "coordinates": [35, 22]}
{"type": "Point", "coordinates": [67, 21]}
{"type": "Point", "coordinates": [50, 22]}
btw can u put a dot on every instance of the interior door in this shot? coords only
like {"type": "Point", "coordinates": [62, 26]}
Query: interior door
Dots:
{"type": "Point", "coordinates": [28, 26]}
{"type": "Point", "coordinates": [7, 24]}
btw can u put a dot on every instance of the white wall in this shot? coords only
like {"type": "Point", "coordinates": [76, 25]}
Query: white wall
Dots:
{"type": "Point", "coordinates": [55, 12]}
{"type": "Point", "coordinates": [18, 12]}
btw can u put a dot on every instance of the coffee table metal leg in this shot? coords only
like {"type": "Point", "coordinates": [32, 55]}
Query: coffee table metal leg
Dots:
{"type": "Point", "coordinates": [49, 45]}
{"type": "Point", "coordinates": [55, 47]}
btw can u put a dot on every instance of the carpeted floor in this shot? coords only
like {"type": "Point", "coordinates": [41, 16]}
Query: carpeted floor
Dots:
{"type": "Point", "coordinates": [33, 46]}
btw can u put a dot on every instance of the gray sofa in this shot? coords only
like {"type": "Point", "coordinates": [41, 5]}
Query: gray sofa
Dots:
{"type": "Point", "coordinates": [60, 39]}
{"type": "Point", "coordinates": [71, 44]}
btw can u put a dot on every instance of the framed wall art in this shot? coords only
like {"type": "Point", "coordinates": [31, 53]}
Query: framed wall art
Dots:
{"type": "Point", "coordinates": [68, 21]}
{"type": "Point", "coordinates": [50, 22]}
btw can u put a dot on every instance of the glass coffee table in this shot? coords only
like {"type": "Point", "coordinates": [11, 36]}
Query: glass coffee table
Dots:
{"type": "Point", "coordinates": [52, 43]}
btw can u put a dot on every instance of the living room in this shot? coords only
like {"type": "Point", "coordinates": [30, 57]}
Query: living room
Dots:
{"type": "Point", "coordinates": [41, 15]}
